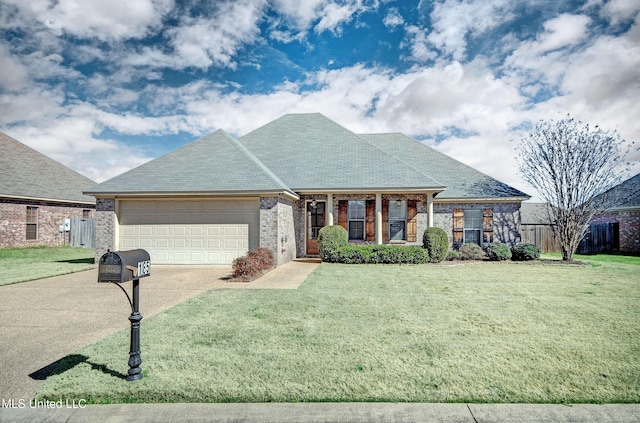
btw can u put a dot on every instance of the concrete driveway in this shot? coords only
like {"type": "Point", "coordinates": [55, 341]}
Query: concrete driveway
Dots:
{"type": "Point", "coordinates": [45, 320]}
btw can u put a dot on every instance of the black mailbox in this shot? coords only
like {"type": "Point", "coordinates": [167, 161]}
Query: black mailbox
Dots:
{"type": "Point", "coordinates": [124, 266]}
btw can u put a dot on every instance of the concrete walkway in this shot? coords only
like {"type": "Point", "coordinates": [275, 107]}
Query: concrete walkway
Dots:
{"type": "Point", "coordinates": [326, 412]}
{"type": "Point", "coordinates": [46, 320]}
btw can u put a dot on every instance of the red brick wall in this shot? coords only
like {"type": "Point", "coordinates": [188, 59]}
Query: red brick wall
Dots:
{"type": "Point", "coordinates": [13, 229]}
{"type": "Point", "coordinates": [630, 232]}
{"type": "Point", "coordinates": [629, 228]}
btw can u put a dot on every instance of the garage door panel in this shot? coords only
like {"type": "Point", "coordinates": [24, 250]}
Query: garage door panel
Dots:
{"type": "Point", "coordinates": [183, 232]}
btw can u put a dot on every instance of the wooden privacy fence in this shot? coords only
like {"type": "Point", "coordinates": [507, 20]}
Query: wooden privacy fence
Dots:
{"type": "Point", "coordinates": [540, 236]}
{"type": "Point", "coordinates": [82, 232]}
{"type": "Point", "coordinates": [601, 238]}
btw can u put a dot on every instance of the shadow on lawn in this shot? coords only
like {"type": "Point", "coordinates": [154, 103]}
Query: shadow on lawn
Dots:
{"type": "Point", "coordinates": [68, 363]}
{"type": "Point", "coordinates": [88, 260]}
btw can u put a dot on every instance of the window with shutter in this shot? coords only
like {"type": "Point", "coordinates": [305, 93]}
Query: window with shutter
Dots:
{"type": "Point", "coordinates": [356, 215]}
{"type": "Point", "coordinates": [343, 206]}
{"type": "Point", "coordinates": [371, 220]}
{"type": "Point", "coordinates": [397, 220]}
{"type": "Point", "coordinates": [487, 226]}
{"type": "Point", "coordinates": [458, 227]}
{"type": "Point", "coordinates": [412, 220]}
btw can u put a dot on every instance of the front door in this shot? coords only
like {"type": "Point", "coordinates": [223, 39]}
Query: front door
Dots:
{"type": "Point", "coordinates": [315, 222]}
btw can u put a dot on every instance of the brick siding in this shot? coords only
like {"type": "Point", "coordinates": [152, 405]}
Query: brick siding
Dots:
{"type": "Point", "coordinates": [629, 227]}
{"type": "Point", "coordinates": [13, 218]}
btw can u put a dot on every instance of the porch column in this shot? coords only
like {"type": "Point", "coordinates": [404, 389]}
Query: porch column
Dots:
{"type": "Point", "coordinates": [378, 218]}
{"type": "Point", "coordinates": [430, 210]}
{"type": "Point", "coordinates": [329, 209]}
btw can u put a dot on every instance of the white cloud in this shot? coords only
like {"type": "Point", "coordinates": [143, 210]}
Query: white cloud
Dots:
{"type": "Point", "coordinates": [455, 20]}
{"type": "Point", "coordinates": [542, 62]}
{"type": "Point", "coordinates": [298, 17]}
{"type": "Point", "coordinates": [617, 11]}
{"type": "Point", "coordinates": [105, 21]}
{"type": "Point", "coordinates": [333, 15]}
{"type": "Point", "coordinates": [13, 74]}
{"type": "Point", "coordinates": [393, 18]}
{"type": "Point", "coordinates": [563, 31]}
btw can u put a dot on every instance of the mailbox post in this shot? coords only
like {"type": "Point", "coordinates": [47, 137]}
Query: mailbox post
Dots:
{"type": "Point", "coordinates": [122, 266]}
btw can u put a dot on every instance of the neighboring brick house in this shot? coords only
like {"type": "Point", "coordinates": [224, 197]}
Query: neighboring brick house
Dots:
{"type": "Point", "coordinates": [36, 195]}
{"type": "Point", "coordinates": [217, 197]}
{"type": "Point", "coordinates": [626, 213]}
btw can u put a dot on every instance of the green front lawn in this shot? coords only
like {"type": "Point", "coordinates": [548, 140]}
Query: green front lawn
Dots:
{"type": "Point", "coordinates": [469, 332]}
{"type": "Point", "coordinates": [26, 264]}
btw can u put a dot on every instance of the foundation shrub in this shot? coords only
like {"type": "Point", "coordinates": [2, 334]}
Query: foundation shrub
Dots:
{"type": "Point", "coordinates": [381, 254]}
{"type": "Point", "coordinates": [525, 252]}
{"type": "Point", "coordinates": [436, 242]}
{"type": "Point", "coordinates": [498, 251]}
{"type": "Point", "coordinates": [471, 251]}
{"type": "Point", "coordinates": [254, 264]}
{"type": "Point", "coordinates": [453, 255]}
{"type": "Point", "coordinates": [330, 239]}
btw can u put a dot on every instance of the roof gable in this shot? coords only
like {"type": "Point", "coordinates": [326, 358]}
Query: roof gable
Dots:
{"type": "Point", "coordinates": [311, 152]}
{"type": "Point", "coordinates": [26, 173]}
{"type": "Point", "coordinates": [462, 181]}
{"type": "Point", "coordinates": [216, 163]}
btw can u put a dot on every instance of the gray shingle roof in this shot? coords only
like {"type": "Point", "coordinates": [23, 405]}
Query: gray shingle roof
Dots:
{"type": "Point", "coordinates": [310, 152]}
{"type": "Point", "coordinates": [534, 214]}
{"type": "Point", "coordinates": [461, 180]}
{"type": "Point", "coordinates": [626, 194]}
{"type": "Point", "coordinates": [305, 152]}
{"type": "Point", "coordinates": [26, 173]}
{"type": "Point", "coordinates": [215, 163]}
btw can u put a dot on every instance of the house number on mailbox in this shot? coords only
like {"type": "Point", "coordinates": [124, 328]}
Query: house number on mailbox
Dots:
{"type": "Point", "coordinates": [144, 268]}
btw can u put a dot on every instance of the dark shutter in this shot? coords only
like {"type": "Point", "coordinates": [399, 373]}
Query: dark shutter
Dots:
{"type": "Point", "coordinates": [487, 226]}
{"type": "Point", "coordinates": [385, 220]}
{"type": "Point", "coordinates": [370, 225]}
{"type": "Point", "coordinates": [458, 227]}
{"type": "Point", "coordinates": [343, 209]}
{"type": "Point", "coordinates": [412, 220]}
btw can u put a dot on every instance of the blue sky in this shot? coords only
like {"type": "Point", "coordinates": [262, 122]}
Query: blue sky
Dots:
{"type": "Point", "coordinates": [105, 86]}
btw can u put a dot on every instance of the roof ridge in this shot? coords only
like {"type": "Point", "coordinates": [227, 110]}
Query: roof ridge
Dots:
{"type": "Point", "coordinates": [244, 150]}
{"type": "Point", "coordinates": [397, 158]}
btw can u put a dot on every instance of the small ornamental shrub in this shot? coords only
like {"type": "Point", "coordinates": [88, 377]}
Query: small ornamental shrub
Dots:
{"type": "Point", "coordinates": [254, 264]}
{"type": "Point", "coordinates": [382, 254]}
{"type": "Point", "coordinates": [436, 242]}
{"type": "Point", "coordinates": [497, 251]}
{"type": "Point", "coordinates": [262, 258]}
{"type": "Point", "coordinates": [471, 251]}
{"type": "Point", "coordinates": [453, 255]}
{"type": "Point", "coordinates": [330, 239]}
{"type": "Point", "coordinates": [524, 252]}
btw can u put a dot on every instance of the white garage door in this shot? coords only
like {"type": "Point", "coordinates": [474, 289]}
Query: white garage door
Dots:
{"type": "Point", "coordinates": [189, 231]}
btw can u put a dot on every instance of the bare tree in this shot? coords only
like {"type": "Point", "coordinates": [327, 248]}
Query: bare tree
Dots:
{"type": "Point", "coordinates": [572, 166]}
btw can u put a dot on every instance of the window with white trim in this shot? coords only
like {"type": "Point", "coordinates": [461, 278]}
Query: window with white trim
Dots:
{"type": "Point", "coordinates": [356, 215]}
{"type": "Point", "coordinates": [398, 220]}
{"type": "Point", "coordinates": [473, 226]}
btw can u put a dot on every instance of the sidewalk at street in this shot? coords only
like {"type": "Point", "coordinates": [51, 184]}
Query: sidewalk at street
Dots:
{"type": "Point", "coordinates": [329, 412]}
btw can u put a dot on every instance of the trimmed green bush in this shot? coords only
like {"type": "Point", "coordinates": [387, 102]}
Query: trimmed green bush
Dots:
{"type": "Point", "coordinates": [453, 255]}
{"type": "Point", "coordinates": [525, 252]}
{"type": "Point", "coordinates": [381, 254]}
{"type": "Point", "coordinates": [330, 239]}
{"type": "Point", "coordinates": [436, 242]}
{"type": "Point", "coordinates": [498, 251]}
{"type": "Point", "coordinates": [471, 251]}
